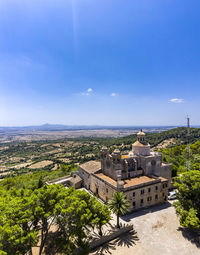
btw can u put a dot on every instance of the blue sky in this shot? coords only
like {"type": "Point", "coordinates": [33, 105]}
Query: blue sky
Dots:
{"type": "Point", "coordinates": [104, 62]}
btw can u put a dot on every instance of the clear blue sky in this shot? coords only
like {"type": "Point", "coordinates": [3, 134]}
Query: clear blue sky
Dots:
{"type": "Point", "coordinates": [105, 62]}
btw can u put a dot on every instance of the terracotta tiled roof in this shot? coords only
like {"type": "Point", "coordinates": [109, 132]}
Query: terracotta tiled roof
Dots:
{"type": "Point", "coordinates": [107, 179]}
{"type": "Point", "coordinates": [91, 166]}
{"type": "Point", "coordinates": [138, 180]}
{"type": "Point", "coordinates": [129, 182]}
{"type": "Point", "coordinates": [75, 179]}
{"type": "Point", "coordinates": [162, 179]}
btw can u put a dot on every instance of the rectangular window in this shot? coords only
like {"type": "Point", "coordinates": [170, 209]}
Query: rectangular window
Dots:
{"type": "Point", "coordinates": [106, 190]}
{"type": "Point", "coordinates": [166, 185]}
{"type": "Point", "coordinates": [163, 185]}
{"type": "Point", "coordinates": [149, 199]}
{"type": "Point", "coordinates": [133, 204]}
{"type": "Point", "coordinates": [141, 201]}
{"type": "Point", "coordinates": [156, 196]}
{"type": "Point", "coordinates": [133, 194]}
{"type": "Point", "coordinates": [156, 187]}
{"type": "Point", "coordinates": [149, 190]}
{"type": "Point", "coordinates": [142, 191]}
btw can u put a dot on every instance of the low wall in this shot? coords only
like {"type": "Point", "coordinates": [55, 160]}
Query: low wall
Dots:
{"type": "Point", "coordinates": [58, 179]}
{"type": "Point", "coordinates": [108, 238]}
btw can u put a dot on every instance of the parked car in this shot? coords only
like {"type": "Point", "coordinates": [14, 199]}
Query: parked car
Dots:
{"type": "Point", "coordinates": [172, 195]}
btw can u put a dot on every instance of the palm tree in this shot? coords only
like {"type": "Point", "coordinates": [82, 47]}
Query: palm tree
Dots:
{"type": "Point", "coordinates": [119, 205]}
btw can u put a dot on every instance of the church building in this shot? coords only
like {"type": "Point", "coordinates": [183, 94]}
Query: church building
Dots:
{"type": "Point", "coordinates": [140, 175]}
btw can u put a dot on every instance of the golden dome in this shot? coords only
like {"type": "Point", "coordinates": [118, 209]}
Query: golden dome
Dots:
{"type": "Point", "coordinates": [116, 151]}
{"type": "Point", "coordinates": [138, 144]}
{"type": "Point", "coordinates": [141, 133]}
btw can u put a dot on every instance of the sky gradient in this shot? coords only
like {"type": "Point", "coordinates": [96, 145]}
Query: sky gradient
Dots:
{"type": "Point", "coordinates": [102, 62]}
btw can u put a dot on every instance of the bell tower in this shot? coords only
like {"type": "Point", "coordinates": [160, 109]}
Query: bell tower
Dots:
{"type": "Point", "coordinates": [141, 147]}
{"type": "Point", "coordinates": [141, 136]}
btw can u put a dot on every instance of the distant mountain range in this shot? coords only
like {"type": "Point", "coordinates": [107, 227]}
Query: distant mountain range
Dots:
{"type": "Point", "coordinates": [56, 132]}
{"type": "Point", "coordinates": [59, 127]}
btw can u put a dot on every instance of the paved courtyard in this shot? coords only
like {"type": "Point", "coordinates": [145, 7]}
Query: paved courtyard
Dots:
{"type": "Point", "coordinates": [156, 231]}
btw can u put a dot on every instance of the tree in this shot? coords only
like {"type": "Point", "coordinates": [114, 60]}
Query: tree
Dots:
{"type": "Point", "coordinates": [103, 216]}
{"type": "Point", "coordinates": [78, 214]}
{"type": "Point", "coordinates": [101, 213]}
{"type": "Point", "coordinates": [25, 213]}
{"type": "Point", "coordinates": [119, 205]}
{"type": "Point", "coordinates": [17, 235]}
{"type": "Point", "coordinates": [188, 204]}
{"type": "Point", "coordinates": [65, 169]}
{"type": "Point", "coordinates": [47, 199]}
{"type": "Point", "coordinates": [40, 182]}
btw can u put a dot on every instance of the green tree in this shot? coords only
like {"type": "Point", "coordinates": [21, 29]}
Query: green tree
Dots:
{"type": "Point", "coordinates": [65, 169]}
{"type": "Point", "coordinates": [17, 234]}
{"type": "Point", "coordinates": [40, 182]}
{"type": "Point", "coordinates": [119, 205]}
{"type": "Point", "coordinates": [77, 215]}
{"type": "Point", "coordinates": [46, 200]}
{"type": "Point", "coordinates": [188, 204]}
{"type": "Point", "coordinates": [102, 214]}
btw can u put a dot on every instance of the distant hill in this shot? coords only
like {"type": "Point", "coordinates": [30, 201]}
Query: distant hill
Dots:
{"type": "Point", "coordinates": [179, 134]}
{"type": "Point", "coordinates": [107, 135]}
{"type": "Point", "coordinates": [59, 127]}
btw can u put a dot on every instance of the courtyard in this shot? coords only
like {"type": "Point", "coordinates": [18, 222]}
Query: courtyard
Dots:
{"type": "Point", "coordinates": [156, 231]}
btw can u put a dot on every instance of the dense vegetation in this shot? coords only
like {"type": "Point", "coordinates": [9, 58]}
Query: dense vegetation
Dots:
{"type": "Point", "coordinates": [153, 138]}
{"type": "Point", "coordinates": [29, 208]}
{"type": "Point", "coordinates": [18, 158]}
{"type": "Point", "coordinates": [188, 204]}
{"type": "Point", "coordinates": [177, 157]}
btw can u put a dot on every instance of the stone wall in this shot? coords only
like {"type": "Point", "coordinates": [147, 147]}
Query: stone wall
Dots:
{"type": "Point", "coordinates": [58, 179]}
{"type": "Point", "coordinates": [151, 164]}
{"type": "Point", "coordinates": [85, 176]}
{"type": "Point", "coordinates": [166, 170]}
{"type": "Point", "coordinates": [101, 188]}
{"type": "Point", "coordinates": [150, 195]}
{"type": "Point", "coordinates": [108, 238]}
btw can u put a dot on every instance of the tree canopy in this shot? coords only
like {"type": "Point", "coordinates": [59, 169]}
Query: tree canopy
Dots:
{"type": "Point", "coordinates": [119, 204]}
{"type": "Point", "coordinates": [27, 212]}
{"type": "Point", "coordinates": [188, 205]}
{"type": "Point", "coordinates": [177, 157]}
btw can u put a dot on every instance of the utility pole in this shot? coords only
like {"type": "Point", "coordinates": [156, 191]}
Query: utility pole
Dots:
{"type": "Point", "coordinates": [188, 144]}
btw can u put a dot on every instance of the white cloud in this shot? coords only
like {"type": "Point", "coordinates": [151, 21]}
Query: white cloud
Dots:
{"type": "Point", "coordinates": [176, 100]}
{"type": "Point", "coordinates": [113, 94]}
{"type": "Point", "coordinates": [87, 93]}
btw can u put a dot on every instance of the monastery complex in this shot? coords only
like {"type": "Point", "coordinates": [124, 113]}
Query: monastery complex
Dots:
{"type": "Point", "coordinates": [140, 175]}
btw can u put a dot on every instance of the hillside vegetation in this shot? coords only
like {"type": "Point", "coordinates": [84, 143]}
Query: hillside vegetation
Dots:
{"type": "Point", "coordinates": [24, 194]}
{"type": "Point", "coordinates": [53, 218]}
{"type": "Point", "coordinates": [179, 134]}
{"type": "Point", "coordinates": [177, 157]}
{"type": "Point", "coordinates": [23, 157]}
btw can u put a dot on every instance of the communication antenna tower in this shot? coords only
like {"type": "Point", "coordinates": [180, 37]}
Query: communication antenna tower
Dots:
{"type": "Point", "coordinates": [188, 144]}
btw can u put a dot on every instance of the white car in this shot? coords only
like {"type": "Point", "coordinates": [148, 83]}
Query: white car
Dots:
{"type": "Point", "coordinates": [172, 195]}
